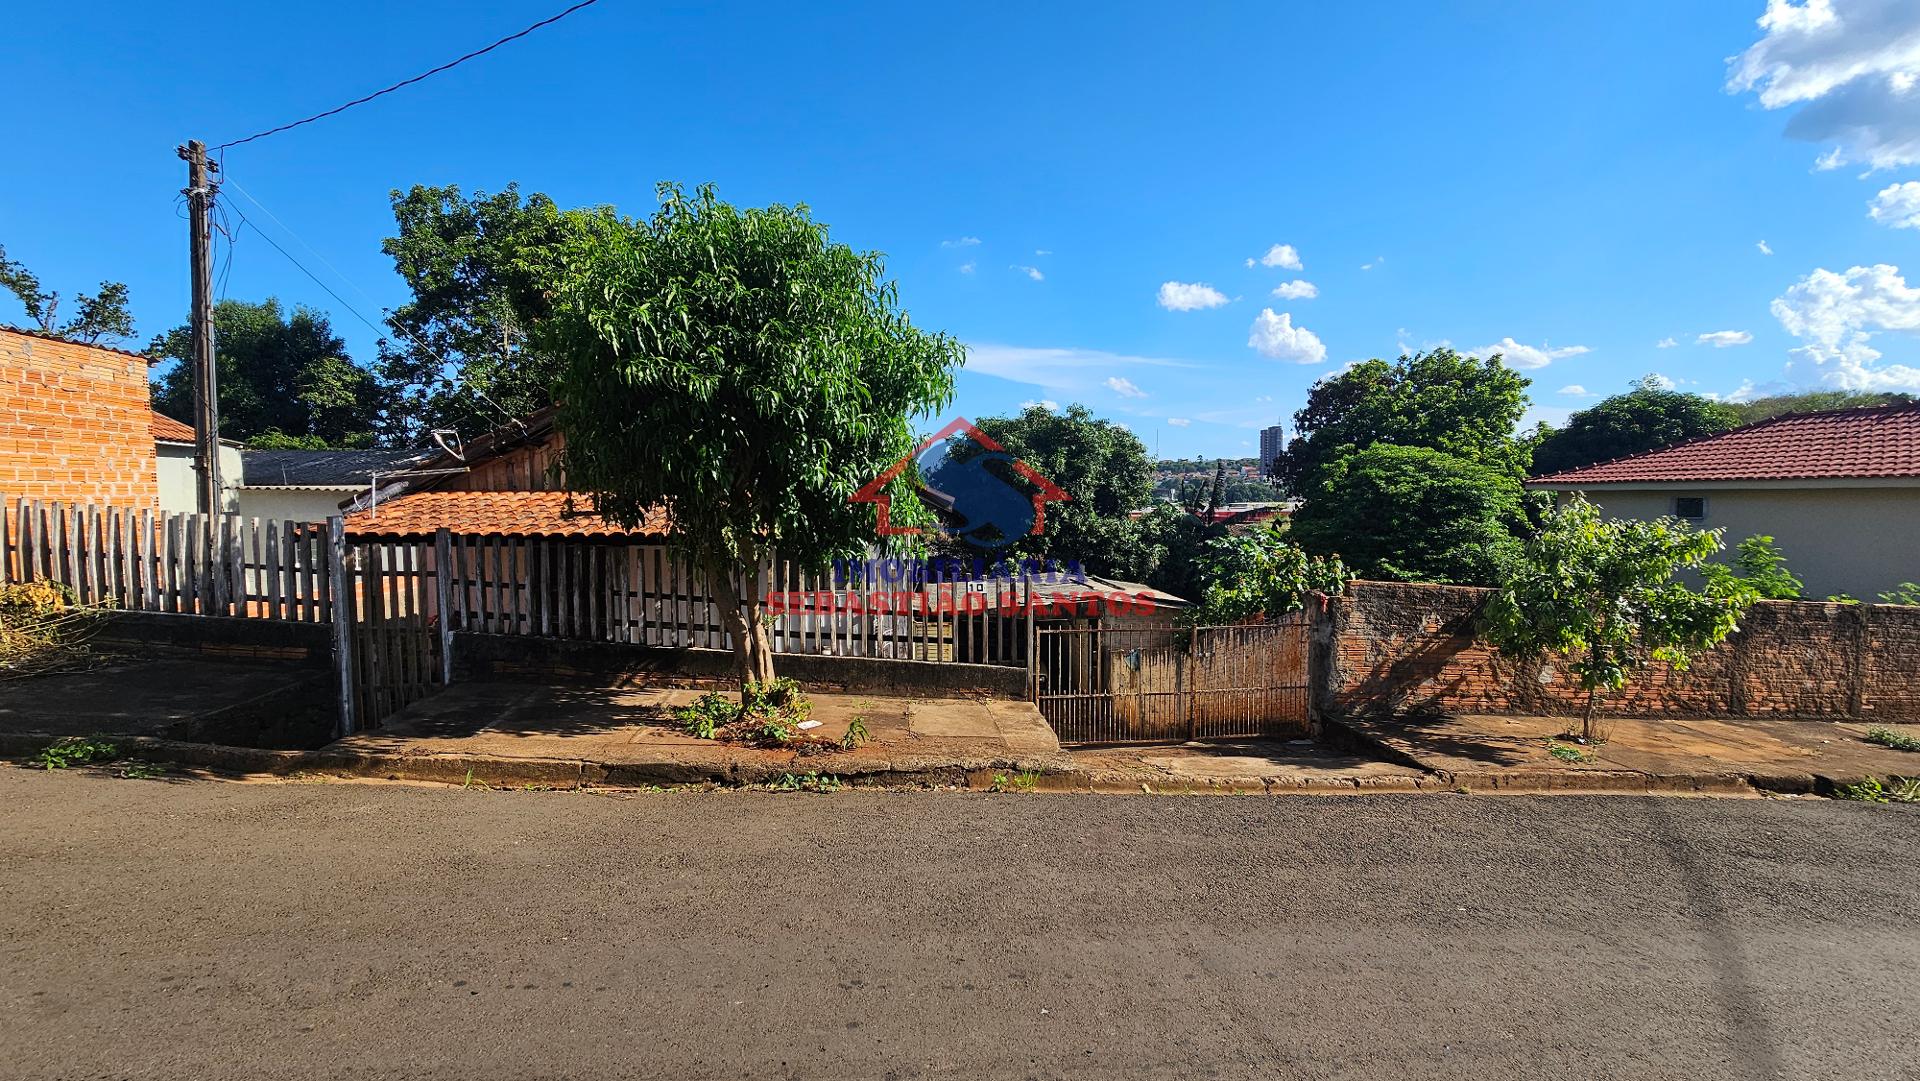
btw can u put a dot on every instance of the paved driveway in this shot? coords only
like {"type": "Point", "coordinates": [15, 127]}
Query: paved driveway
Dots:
{"type": "Point", "coordinates": [214, 930]}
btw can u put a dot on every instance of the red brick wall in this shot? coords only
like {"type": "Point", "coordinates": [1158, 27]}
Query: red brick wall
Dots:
{"type": "Point", "coordinates": [1409, 649]}
{"type": "Point", "coordinates": [75, 423]}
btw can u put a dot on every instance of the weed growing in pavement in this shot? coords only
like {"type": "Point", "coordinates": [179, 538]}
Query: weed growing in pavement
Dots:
{"type": "Point", "coordinates": [808, 782]}
{"type": "Point", "coordinates": [1872, 790]}
{"type": "Point", "coordinates": [766, 714]}
{"type": "Point", "coordinates": [142, 771]}
{"type": "Point", "coordinates": [1887, 737]}
{"type": "Point", "coordinates": [1566, 753]}
{"type": "Point", "coordinates": [75, 751]}
{"type": "Point", "coordinates": [856, 732]}
{"type": "Point", "coordinates": [1025, 781]}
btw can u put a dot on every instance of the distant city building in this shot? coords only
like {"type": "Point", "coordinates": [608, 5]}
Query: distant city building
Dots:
{"type": "Point", "coordinates": [1272, 441]}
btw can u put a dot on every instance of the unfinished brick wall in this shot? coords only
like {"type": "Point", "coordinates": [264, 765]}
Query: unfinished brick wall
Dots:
{"type": "Point", "coordinates": [1394, 648]}
{"type": "Point", "coordinates": [75, 423]}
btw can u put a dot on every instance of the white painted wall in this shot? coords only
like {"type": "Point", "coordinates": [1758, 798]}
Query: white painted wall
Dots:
{"type": "Point", "coordinates": [178, 490]}
{"type": "Point", "coordinates": [293, 504]}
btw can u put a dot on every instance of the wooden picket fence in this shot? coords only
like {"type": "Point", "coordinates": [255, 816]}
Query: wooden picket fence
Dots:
{"type": "Point", "coordinates": [643, 594]}
{"type": "Point", "coordinates": [144, 560]}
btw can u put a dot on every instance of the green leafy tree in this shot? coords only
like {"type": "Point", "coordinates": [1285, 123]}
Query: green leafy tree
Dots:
{"type": "Point", "coordinates": [1413, 514]}
{"type": "Point", "coordinates": [1104, 468]}
{"type": "Point", "coordinates": [1760, 566]}
{"type": "Point", "coordinates": [103, 315]}
{"type": "Point", "coordinates": [1262, 573]}
{"type": "Point", "coordinates": [740, 371]}
{"type": "Point", "coordinates": [1814, 401]}
{"type": "Point", "coordinates": [279, 373]}
{"type": "Point", "coordinates": [1178, 537]}
{"type": "Point", "coordinates": [463, 354]}
{"type": "Point", "coordinates": [1646, 418]}
{"type": "Point", "coordinates": [1460, 405]}
{"type": "Point", "coordinates": [1602, 591]}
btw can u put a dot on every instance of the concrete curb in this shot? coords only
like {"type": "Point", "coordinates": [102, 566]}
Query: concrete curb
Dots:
{"type": "Point", "coordinates": [1043, 776]}
{"type": "Point", "coordinates": [504, 772]}
{"type": "Point", "coordinates": [1730, 782]}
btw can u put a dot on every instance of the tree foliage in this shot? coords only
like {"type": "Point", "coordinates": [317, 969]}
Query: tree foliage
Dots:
{"type": "Point", "coordinates": [283, 374]}
{"type": "Point", "coordinates": [1460, 405]}
{"type": "Point", "coordinates": [1262, 573]}
{"type": "Point", "coordinates": [1104, 468]}
{"type": "Point", "coordinates": [463, 355]}
{"type": "Point", "coordinates": [102, 315]}
{"type": "Point", "coordinates": [1603, 592]}
{"type": "Point", "coordinates": [1760, 566]}
{"type": "Point", "coordinates": [1412, 514]}
{"type": "Point", "coordinates": [1813, 401]}
{"type": "Point", "coordinates": [1175, 538]}
{"type": "Point", "coordinates": [1646, 418]}
{"type": "Point", "coordinates": [742, 372]}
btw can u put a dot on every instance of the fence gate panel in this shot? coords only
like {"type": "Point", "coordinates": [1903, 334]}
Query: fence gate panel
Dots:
{"type": "Point", "coordinates": [1124, 682]}
{"type": "Point", "coordinates": [391, 627]}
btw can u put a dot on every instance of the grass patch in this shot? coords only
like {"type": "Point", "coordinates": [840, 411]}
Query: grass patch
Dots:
{"type": "Point", "coordinates": [1569, 753]}
{"type": "Point", "coordinates": [138, 770]}
{"type": "Point", "coordinates": [75, 751]}
{"type": "Point", "coordinates": [1887, 737]}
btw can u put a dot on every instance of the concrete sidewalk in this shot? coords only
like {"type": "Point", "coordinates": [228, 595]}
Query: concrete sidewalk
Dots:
{"type": "Point", "coordinates": [504, 732]}
{"type": "Point", "coordinates": [1496, 753]}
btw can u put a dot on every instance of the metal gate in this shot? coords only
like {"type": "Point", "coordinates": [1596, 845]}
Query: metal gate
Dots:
{"type": "Point", "coordinates": [391, 640]}
{"type": "Point", "coordinates": [1125, 683]}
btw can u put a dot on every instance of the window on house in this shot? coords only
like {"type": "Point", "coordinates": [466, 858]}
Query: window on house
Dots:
{"type": "Point", "coordinates": [1691, 507]}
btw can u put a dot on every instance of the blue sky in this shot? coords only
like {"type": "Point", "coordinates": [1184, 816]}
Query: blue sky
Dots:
{"type": "Point", "coordinates": [1587, 180]}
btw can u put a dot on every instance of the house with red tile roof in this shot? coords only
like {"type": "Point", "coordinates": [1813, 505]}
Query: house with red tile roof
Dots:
{"type": "Point", "coordinates": [504, 484]}
{"type": "Point", "coordinates": [1839, 491]}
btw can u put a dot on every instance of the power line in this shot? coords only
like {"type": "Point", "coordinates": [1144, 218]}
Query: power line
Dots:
{"type": "Point", "coordinates": [393, 320]}
{"type": "Point", "coordinates": [549, 21]}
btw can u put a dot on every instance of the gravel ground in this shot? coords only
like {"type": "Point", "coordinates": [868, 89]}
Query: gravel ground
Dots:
{"type": "Point", "coordinates": [217, 930]}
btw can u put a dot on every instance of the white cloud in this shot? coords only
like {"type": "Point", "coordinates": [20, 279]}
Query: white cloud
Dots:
{"type": "Point", "coordinates": [1765, 249]}
{"type": "Point", "coordinates": [1724, 339]}
{"type": "Point", "coordinates": [1124, 387]}
{"type": "Point", "coordinates": [1047, 404]}
{"type": "Point", "coordinates": [1664, 382]}
{"type": "Point", "coordinates": [1280, 255]}
{"type": "Point", "coordinates": [1851, 65]}
{"type": "Point", "coordinates": [1189, 296]}
{"type": "Point", "coordinates": [1898, 206]}
{"type": "Point", "coordinates": [966, 267]}
{"type": "Point", "coordinates": [1665, 343]}
{"type": "Point", "coordinates": [1528, 356]}
{"type": "Point", "coordinates": [1063, 372]}
{"type": "Point", "coordinates": [1574, 390]}
{"type": "Point", "coordinates": [1043, 251]}
{"type": "Point", "coordinates": [1179, 422]}
{"type": "Point", "coordinates": [1275, 336]}
{"type": "Point", "coordinates": [1837, 315]}
{"type": "Point", "coordinates": [1030, 271]}
{"type": "Point", "coordinates": [962, 242]}
{"type": "Point", "coordinates": [1297, 289]}
{"type": "Point", "coordinates": [1378, 260]}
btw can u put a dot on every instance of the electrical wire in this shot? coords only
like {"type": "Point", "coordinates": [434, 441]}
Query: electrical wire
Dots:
{"type": "Point", "coordinates": [549, 21]}
{"type": "Point", "coordinates": [392, 319]}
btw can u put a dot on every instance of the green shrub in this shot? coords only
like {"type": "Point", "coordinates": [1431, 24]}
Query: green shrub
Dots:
{"type": "Point", "coordinates": [75, 751]}
{"type": "Point", "coordinates": [1887, 737]}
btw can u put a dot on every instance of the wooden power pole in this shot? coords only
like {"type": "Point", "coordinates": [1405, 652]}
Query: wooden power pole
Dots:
{"type": "Point", "coordinates": [206, 380]}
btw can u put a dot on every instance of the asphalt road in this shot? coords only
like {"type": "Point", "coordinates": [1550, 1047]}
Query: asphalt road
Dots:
{"type": "Point", "coordinates": [210, 930]}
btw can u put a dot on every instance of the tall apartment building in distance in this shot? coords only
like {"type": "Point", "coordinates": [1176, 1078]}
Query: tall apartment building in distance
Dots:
{"type": "Point", "coordinates": [1272, 441]}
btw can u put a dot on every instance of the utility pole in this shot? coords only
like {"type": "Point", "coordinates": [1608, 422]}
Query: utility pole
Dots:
{"type": "Point", "coordinates": [206, 388]}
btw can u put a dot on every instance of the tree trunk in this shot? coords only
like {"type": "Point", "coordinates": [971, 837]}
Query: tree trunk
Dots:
{"type": "Point", "coordinates": [743, 616]}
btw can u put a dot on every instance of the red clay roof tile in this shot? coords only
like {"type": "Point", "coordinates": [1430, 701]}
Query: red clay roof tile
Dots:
{"type": "Point", "coordinates": [508, 514]}
{"type": "Point", "coordinates": [1837, 444]}
{"type": "Point", "coordinates": [168, 430]}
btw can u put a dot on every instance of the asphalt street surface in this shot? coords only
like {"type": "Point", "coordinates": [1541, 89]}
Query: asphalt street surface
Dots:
{"type": "Point", "coordinates": [217, 930]}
